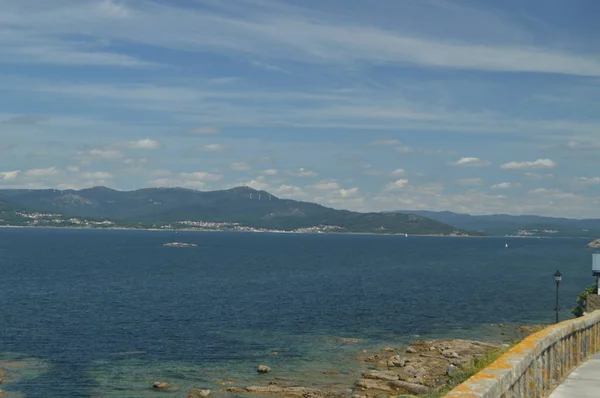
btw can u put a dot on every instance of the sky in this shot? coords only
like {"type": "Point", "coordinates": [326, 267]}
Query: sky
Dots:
{"type": "Point", "coordinates": [473, 106]}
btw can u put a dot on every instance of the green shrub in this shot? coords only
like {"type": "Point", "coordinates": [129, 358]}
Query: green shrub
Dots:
{"type": "Point", "coordinates": [578, 311]}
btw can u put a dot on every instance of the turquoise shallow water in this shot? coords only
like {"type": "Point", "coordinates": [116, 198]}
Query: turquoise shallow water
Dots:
{"type": "Point", "coordinates": [106, 313]}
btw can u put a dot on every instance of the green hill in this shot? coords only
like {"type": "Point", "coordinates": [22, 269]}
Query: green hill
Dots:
{"type": "Point", "coordinates": [241, 205]}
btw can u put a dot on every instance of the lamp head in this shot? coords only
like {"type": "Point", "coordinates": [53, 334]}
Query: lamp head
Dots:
{"type": "Point", "coordinates": [557, 276]}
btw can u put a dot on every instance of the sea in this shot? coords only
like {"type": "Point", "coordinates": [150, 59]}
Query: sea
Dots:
{"type": "Point", "coordinates": [105, 313]}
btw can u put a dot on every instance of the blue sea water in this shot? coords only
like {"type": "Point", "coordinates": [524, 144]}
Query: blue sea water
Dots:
{"type": "Point", "coordinates": [105, 313]}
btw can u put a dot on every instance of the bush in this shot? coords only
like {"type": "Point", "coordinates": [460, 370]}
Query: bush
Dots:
{"type": "Point", "coordinates": [578, 311]}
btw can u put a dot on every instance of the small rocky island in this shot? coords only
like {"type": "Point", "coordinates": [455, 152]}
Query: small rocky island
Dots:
{"type": "Point", "coordinates": [179, 244]}
{"type": "Point", "coordinates": [594, 244]}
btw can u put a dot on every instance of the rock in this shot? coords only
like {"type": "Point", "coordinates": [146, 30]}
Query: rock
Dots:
{"type": "Point", "coordinates": [368, 384]}
{"type": "Point", "coordinates": [594, 244]}
{"type": "Point", "coordinates": [411, 388]}
{"type": "Point", "coordinates": [388, 349]}
{"type": "Point", "coordinates": [275, 353]}
{"type": "Point", "coordinates": [500, 325]}
{"type": "Point", "coordinates": [380, 375]}
{"type": "Point", "coordinates": [198, 393]}
{"type": "Point", "coordinates": [179, 244]}
{"type": "Point", "coordinates": [160, 385]}
{"type": "Point", "coordinates": [397, 362]}
{"type": "Point", "coordinates": [297, 391]}
{"type": "Point", "coordinates": [452, 369]}
{"type": "Point", "coordinates": [263, 369]}
{"type": "Point", "coordinates": [450, 354]}
{"type": "Point", "coordinates": [411, 350]}
{"type": "Point", "coordinates": [235, 389]}
{"type": "Point", "coordinates": [332, 372]}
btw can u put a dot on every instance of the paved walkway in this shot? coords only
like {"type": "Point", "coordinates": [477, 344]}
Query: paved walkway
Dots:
{"type": "Point", "coordinates": [583, 382]}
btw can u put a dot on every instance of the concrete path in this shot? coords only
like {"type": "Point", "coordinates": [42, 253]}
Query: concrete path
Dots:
{"type": "Point", "coordinates": [583, 382]}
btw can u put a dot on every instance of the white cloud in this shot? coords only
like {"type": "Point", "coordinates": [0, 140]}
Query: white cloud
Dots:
{"type": "Point", "coordinates": [269, 67]}
{"type": "Point", "coordinates": [9, 175]}
{"type": "Point", "coordinates": [536, 164]}
{"type": "Point", "coordinates": [213, 147]}
{"type": "Point", "coordinates": [396, 185]}
{"type": "Point", "coordinates": [326, 185]}
{"type": "Point", "coordinates": [113, 9]}
{"type": "Point", "coordinates": [290, 191]}
{"type": "Point", "coordinates": [404, 149]}
{"type": "Point", "coordinates": [270, 172]}
{"type": "Point", "coordinates": [471, 161]}
{"type": "Point", "coordinates": [144, 144]}
{"type": "Point", "coordinates": [348, 193]}
{"type": "Point", "coordinates": [48, 172]}
{"type": "Point", "coordinates": [588, 180]}
{"type": "Point", "coordinates": [505, 185]}
{"type": "Point", "coordinates": [295, 34]}
{"type": "Point", "coordinates": [538, 176]}
{"type": "Point", "coordinates": [106, 153]}
{"type": "Point", "coordinates": [397, 173]}
{"type": "Point", "coordinates": [302, 172]}
{"type": "Point", "coordinates": [96, 175]}
{"type": "Point", "coordinates": [206, 130]}
{"type": "Point", "coordinates": [201, 176]}
{"type": "Point", "coordinates": [240, 166]}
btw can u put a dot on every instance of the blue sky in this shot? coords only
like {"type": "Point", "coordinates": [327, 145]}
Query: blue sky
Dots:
{"type": "Point", "coordinates": [469, 106]}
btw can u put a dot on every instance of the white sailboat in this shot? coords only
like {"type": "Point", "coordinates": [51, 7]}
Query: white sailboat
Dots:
{"type": "Point", "coordinates": [506, 245]}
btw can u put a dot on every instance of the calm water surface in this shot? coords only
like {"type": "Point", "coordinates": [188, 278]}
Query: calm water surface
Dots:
{"type": "Point", "coordinates": [105, 313]}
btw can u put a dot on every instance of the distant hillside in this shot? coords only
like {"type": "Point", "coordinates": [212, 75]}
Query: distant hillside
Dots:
{"type": "Point", "coordinates": [243, 205]}
{"type": "Point", "coordinates": [502, 224]}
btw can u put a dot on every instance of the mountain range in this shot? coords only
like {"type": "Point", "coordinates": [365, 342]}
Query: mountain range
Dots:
{"type": "Point", "coordinates": [504, 224]}
{"type": "Point", "coordinates": [158, 207]}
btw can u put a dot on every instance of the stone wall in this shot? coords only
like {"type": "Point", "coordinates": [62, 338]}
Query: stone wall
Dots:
{"type": "Point", "coordinates": [534, 367]}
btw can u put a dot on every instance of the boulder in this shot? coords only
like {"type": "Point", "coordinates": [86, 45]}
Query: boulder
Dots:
{"type": "Point", "coordinates": [380, 375]}
{"type": "Point", "coordinates": [411, 388]}
{"type": "Point", "coordinates": [368, 384]}
{"type": "Point", "coordinates": [411, 350]}
{"type": "Point", "coordinates": [263, 369]}
{"type": "Point", "coordinates": [160, 385]}
{"type": "Point", "coordinates": [452, 369]}
{"type": "Point", "coordinates": [198, 393]}
{"type": "Point", "coordinates": [450, 354]}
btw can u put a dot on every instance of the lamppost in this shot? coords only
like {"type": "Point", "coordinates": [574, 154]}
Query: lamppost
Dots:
{"type": "Point", "coordinates": [557, 278]}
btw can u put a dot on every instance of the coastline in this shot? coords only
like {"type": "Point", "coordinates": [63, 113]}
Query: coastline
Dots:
{"type": "Point", "coordinates": [284, 232]}
{"type": "Point", "coordinates": [350, 367]}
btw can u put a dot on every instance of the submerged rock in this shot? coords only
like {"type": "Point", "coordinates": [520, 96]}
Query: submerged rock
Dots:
{"type": "Point", "coordinates": [198, 393]}
{"type": "Point", "coordinates": [263, 369]}
{"type": "Point", "coordinates": [160, 385]}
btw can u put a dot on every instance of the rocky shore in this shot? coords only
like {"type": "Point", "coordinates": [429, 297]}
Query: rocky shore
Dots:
{"type": "Point", "coordinates": [421, 368]}
{"type": "Point", "coordinates": [595, 244]}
